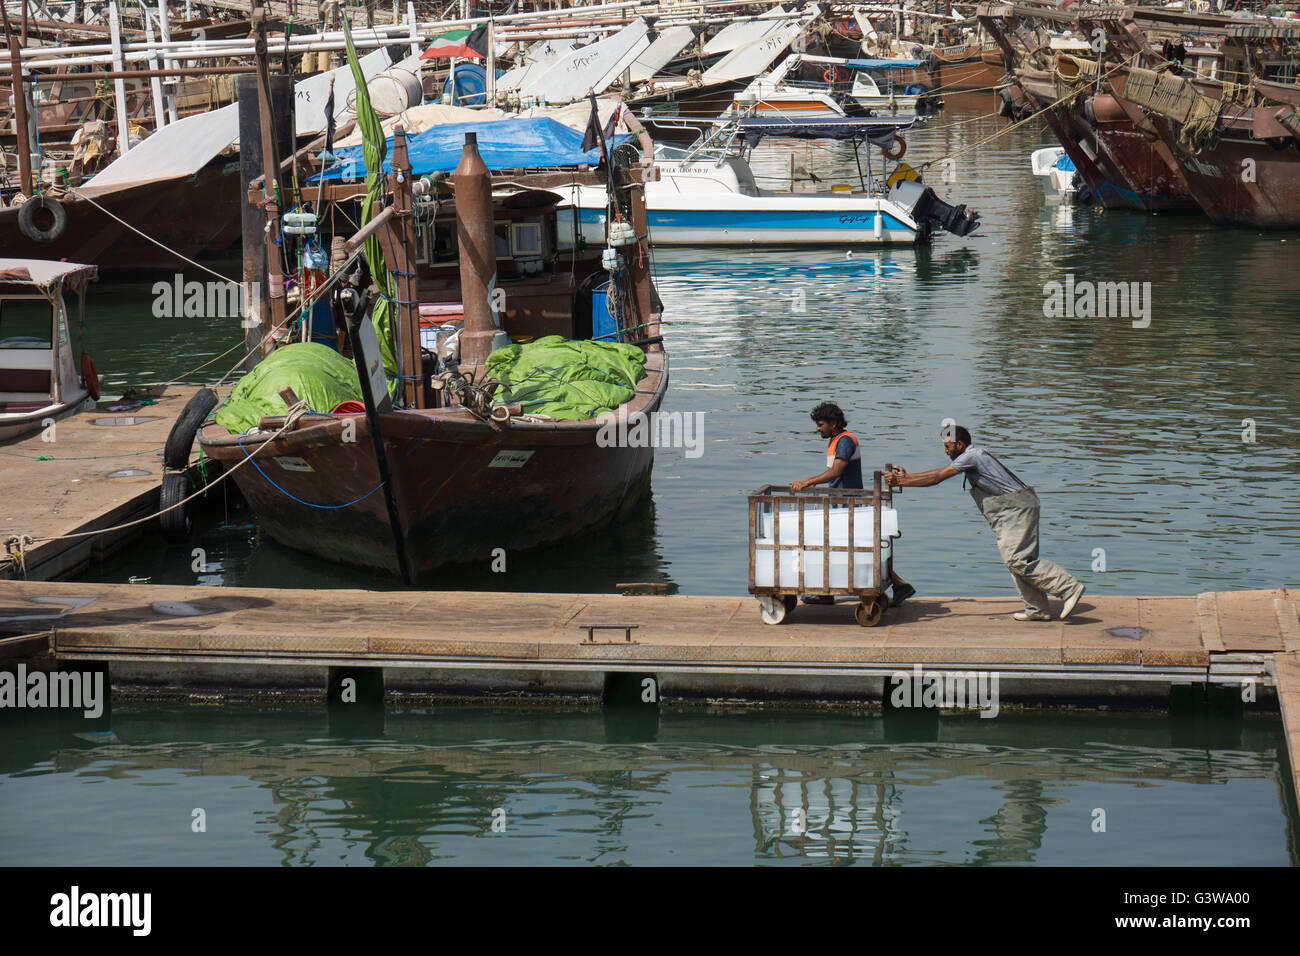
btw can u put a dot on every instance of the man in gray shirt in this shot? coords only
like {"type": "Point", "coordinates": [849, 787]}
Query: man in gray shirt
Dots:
{"type": "Point", "coordinates": [1011, 508]}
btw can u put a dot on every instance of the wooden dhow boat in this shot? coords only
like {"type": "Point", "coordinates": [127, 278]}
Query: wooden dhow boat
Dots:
{"type": "Point", "coordinates": [445, 471]}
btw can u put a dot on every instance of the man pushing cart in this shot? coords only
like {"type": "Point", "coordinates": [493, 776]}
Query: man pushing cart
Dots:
{"type": "Point", "coordinates": [825, 544]}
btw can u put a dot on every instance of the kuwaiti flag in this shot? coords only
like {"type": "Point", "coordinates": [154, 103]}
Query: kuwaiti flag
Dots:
{"type": "Point", "coordinates": [458, 43]}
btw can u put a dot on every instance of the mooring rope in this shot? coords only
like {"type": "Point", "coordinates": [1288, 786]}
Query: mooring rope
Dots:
{"type": "Point", "coordinates": [17, 545]}
{"type": "Point", "coordinates": [161, 245]}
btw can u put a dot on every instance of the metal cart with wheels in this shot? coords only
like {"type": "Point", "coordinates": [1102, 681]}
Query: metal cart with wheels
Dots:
{"type": "Point", "coordinates": [831, 542]}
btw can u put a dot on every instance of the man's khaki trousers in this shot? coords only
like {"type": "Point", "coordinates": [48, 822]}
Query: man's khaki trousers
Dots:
{"type": "Point", "coordinates": [1014, 520]}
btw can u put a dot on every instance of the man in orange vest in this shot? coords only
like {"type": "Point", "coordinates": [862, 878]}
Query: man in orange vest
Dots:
{"type": "Point", "coordinates": [843, 470]}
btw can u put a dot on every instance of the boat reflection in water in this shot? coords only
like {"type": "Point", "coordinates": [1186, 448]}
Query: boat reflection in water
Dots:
{"type": "Point", "coordinates": [735, 787]}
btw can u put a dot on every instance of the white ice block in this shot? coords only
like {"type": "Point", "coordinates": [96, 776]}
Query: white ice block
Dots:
{"type": "Point", "coordinates": [813, 519]}
{"type": "Point", "coordinates": [809, 557]}
{"type": "Point", "coordinates": [813, 568]}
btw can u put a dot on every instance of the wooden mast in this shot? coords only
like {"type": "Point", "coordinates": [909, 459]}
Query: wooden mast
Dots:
{"type": "Point", "coordinates": [20, 106]}
{"type": "Point", "coordinates": [270, 173]}
{"type": "Point", "coordinates": [407, 317]}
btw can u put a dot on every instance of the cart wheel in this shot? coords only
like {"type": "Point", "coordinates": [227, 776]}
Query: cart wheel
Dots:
{"type": "Point", "coordinates": [774, 609]}
{"type": "Point", "coordinates": [870, 611]}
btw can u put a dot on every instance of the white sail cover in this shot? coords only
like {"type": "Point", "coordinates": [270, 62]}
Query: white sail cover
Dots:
{"type": "Point", "coordinates": [744, 30]}
{"type": "Point", "coordinates": [541, 56]}
{"type": "Point", "coordinates": [590, 69]}
{"type": "Point", "coordinates": [544, 49]}
{"type": "Point", "coordinates": [666, 46]}
{"type": "Point", "coordinates": [185, 147]}
{"type": "Point", "coordinates": [755, 57]}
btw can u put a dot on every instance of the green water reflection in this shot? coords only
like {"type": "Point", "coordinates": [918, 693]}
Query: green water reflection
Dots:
{"type": "Point", "coordinates": [568, 786]}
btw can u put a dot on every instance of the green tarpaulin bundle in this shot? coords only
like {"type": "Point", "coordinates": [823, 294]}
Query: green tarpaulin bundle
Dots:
{"type": "Point", "coordinates": [317, 374]}
{"type": "Point", "coordinates": [566, 379]}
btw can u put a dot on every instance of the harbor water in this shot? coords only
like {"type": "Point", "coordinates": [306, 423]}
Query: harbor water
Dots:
{"type": "Point", "coordinates": [1166, 456]}
{"type": "Point", "coordinates": [479, 786]}
{"type": "Point", "coordinates": [1163, 444]}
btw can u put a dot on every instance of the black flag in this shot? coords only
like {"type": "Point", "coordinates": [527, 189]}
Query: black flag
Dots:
{"type": "Point", "coordinates": [329, 120]}
{"type": "Point", "coordinates": [478, 41]}
{"type": "Point", "coordinates": [591, 137]}
{"type": "Point", "coordinates": [612, 124]}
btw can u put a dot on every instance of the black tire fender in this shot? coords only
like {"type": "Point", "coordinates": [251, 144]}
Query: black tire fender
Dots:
{"type": "Point", "coordinates": [177, 523]}
{"type": "Point", "coordinates": [27, 219]}
{"type": "Point", "coordinates": [176, 454]}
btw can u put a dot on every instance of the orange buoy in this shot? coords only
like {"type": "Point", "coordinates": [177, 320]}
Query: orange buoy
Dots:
{"type": "Point", "coordinates": [90, 375]}
{"type": "Point", "coordinates": [899, 150]}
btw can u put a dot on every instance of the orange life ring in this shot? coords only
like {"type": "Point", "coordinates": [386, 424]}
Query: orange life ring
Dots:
{"type": "Point", "coordinates": [90, 375]}
{"type": "Point", "coordinates": [899, 152]}
{"type": "Point", "coordinates": [833, 75]}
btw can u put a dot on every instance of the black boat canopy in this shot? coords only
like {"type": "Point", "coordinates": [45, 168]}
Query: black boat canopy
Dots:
{"type": "Point", "coordinates": [879, 130]}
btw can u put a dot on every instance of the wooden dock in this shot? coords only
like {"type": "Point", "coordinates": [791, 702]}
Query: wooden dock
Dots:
{"type": "Point", "coordinates": [1117, 652]}
{"type": "Point", "coordinates": [83, 480]}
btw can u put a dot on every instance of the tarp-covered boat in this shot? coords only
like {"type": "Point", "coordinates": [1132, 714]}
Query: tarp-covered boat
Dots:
{"type": "Point", "coordinates": [454, 467]}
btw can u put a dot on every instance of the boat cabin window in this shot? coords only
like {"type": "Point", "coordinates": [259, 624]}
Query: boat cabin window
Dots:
{"type": "Point", "coordinates": [526, 240]}
{"type": "Point", "coordinates": [669, 153]}
{"type": "Point", "coordinates": [26, 352]}
{"type": "Point", "coordinates": [438, 243]}
{"type": "Point", "coordinates": [501, 230]}
{"type": "Point", "coordinates": [26, 322]}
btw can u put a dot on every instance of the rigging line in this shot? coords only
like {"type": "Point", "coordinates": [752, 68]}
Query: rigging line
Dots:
{"type": "Point", "coordinates": [290, 420]}
{"type": "Point", "coordinates": [1006, 129]}
{"type": "Point", "coordinates": [346, 504]}
{"type": "Point", "coordinates": [80, 195]}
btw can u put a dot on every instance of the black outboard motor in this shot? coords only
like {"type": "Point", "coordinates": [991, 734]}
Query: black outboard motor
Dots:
{"type": "Point", "coordinates": [924, 206]}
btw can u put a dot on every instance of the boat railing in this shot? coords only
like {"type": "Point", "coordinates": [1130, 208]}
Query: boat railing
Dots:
{"type": "Point", "coordinates": [713, 144]}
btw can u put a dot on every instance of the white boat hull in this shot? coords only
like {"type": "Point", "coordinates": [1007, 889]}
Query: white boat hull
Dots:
{"type": "Point", "coordinates": [888, 104]}
{"type": "Point", "coordinates": [1058, 184]}
{"type": "Point", "coordinates": [20, 424]}
{"type": "Point", "coordinates": [701, 219]}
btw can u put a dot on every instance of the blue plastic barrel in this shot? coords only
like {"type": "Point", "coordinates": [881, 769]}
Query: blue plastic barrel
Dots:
{"type": "Point", "coordinates": [603, 326]}
{"type": "Point", "coordinates": [471, 84]}
{"type": "Point", "coordinates": [322, 324]}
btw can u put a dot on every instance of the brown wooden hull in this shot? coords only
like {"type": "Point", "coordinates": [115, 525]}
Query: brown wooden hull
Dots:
{"type": "Point", "coordinates": [1267, 198]}
{"type": "Point", "coordinates": [1250, 176]}
{"type": "Point", "coordinates": [193, 216]}
{"type": "Point", "coordinates": [969, 74]}
{"type": "Point", "coordinates": [457, 506]}
{"type": "Point", "coordinates": [1118, 161]}
{"type": "Point", "coordinates": [699, 101]}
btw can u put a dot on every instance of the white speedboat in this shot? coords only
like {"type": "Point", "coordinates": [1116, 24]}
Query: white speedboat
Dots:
{"type": "Point", "coordinates": [707, 195]}
{"type": "Point", "coordinates": [1056, 172]}
{"type": "Point", "coordinates": [44, 376]}
{"type": "Point", "coordinates": [778, 93]}
{"type": "Point", "coordinates": [867, 93]}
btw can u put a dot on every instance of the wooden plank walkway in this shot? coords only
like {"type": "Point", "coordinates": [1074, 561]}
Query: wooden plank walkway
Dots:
{"type": "Point", "coordinates": [48, 489]}
{"type": "Point", "coordinates": [434, 627]}
{"type": "Point", "coordinates": [1110, 642]}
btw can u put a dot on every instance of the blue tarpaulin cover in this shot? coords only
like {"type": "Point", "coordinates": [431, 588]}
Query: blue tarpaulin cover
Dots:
{"type": "Point", "coordinates": [1065, 163]}
{"type": "Point", "coordinates": [504, 144]}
